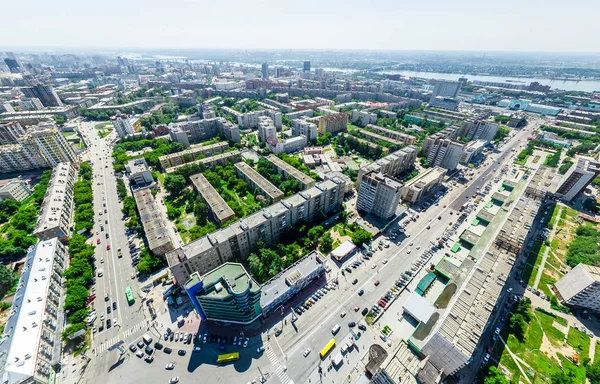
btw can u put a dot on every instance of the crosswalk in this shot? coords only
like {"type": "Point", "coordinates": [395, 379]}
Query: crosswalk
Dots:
{"type": "Point", "coordinates": [103, 344]}
{"type": "Point", "coordinates": [279, 368]}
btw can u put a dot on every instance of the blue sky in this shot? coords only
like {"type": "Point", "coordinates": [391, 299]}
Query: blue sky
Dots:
{"type": "Point", "coordinates": [507, 25]}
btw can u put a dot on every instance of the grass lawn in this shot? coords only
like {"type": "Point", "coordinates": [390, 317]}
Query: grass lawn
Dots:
{"type": "Point", "coordinates": [597, 353]}
{"type": "Point", "coordinates": [580, 342]}
{"type": "Point", "coordinates": [555, 336]}
{"type": "Point", "coordinates": [546, 281]}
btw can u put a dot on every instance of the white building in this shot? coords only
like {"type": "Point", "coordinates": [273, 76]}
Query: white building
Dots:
{"type": "Point", "coordinates": [419, 186]}
{"type": "Point", "coordinates": [293, 144]}
{"type": "Point", "coordinates": [445, 153]}
{"type": "Point", "coordinates": [362, 118]}
{"type": "Point", "coordinates": [266, 129]}
{"type": "Point", "coordinates": [139, 172]}
{"type": "Point", "coordinates": [580, 288]}
{"type": "Point", "coordinates": [123, 126]}
{"type": "Point", "coordinates": [306, 128]}
{"type": "Point", "coordinates": [578, 177]}
{"type": "Point", "coordinates": [15, 190]}
{"type": "Point", "coordinates": [30, 351]}
{"type": "Point", "coordinates": [472, 150]}
{"type": "Point", "coordinates": [378, 195]}
{"type": "Point", "coordinates": [480, 130]}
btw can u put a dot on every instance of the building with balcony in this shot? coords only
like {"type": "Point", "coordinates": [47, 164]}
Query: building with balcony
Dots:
{"type": "Point", "coordinates": [578, 177]}
{"type": "Point", "coordinates": [419, 186]}
{"type": "Point", "coordinates": [191, 154]}
{"type": "Point", "coordinates": [31, 346]}
{"type": "Point", "coordinates": [337, 122]}
{"type": "Point", "coordinates": [391, 165]}
{"type": "Point", "coordinates": [378, 195]}
{"type": "Point", "coordinates": [54, 217]}
{"type": "Point", "coordinates": [445, 153]}
{"type": "Point", "coordinates": [16, 190]}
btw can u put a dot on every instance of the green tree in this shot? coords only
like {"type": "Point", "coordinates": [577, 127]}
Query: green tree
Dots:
{"type": "Point", "coordinates": [326, 243]}
{"type": "Point", "coordinates": [360, 236]}
{"type": "Point", "coordinates": [518, 326]}
{"type": "Point", "coordinates": [593, 372]}
{"type": "Point", "coordinates": [315, 233]}
{"type": "Point", "coordinates": [7, 280]}
{"type": "Point", "coordinates": [563, 378]}
{"type": "Point", "coordinates": [76, 298]}
{"type": "Point", "coordinates": [174, 183]}
{"type": "Point", "coordinates": [495, 376]}
{"type": "Point", "coordinates": [79, 316]}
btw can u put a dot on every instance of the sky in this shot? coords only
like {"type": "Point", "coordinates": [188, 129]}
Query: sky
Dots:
{"type": "Point", "coordinates": [463, 25]}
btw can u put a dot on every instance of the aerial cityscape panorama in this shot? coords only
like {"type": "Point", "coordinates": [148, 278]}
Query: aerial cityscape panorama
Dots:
{"type": "Point", "coordinates": [311, 193]}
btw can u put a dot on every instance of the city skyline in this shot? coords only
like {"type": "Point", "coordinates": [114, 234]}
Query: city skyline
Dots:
{"type": "Point", "coordinates": [467, 26]}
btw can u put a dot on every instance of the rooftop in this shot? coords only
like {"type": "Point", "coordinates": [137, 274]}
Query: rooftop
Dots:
{"type": "Point", "coordinates": [261, 183]}
{"type": "Point", "coordinates": [424, 178]}
{"type": "Point", "coordinates": [295, 173]}
{"type": "Point", "coordinates": [206, 161]}
{"type": "Point", "coordinates": [218, 206]}
{"type": "Point", "coordinates": [231, 276]}
{"type": "Point", "coordinates": [419, 308]}
{"type": "Point", "coordinates": [578, 279]}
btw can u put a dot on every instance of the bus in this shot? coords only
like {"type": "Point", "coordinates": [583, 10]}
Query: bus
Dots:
{"type": "Point", "coordinates": [325, 351]}
{"type": "Point", "coordinates": [227, 357]}
{"type": "Point", "coordinates": [129, 295]}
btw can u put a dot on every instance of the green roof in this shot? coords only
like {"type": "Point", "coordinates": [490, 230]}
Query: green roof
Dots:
{"type": "Point", "coordinates": [456, 247]}
{"type": "Point", "coordinates": [425, 283]}
{"type": "Point", "coordinates": [475, 222]}
{"type": "Point", "coordinates": [489, 205]}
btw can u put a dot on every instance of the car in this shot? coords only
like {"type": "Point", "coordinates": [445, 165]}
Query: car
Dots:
{"type": "Point", "coordinates": [343, 314]}
{"type": "Point", "coordinates": [376, 282]}
{"type": "Point", "coordinates": [170, 366]}
{"type": "Point", "coordinates": [355, 281]}
{"type": "Point", "coordinates": [106, 235]}
{"type": "Point", "coordinates": [140, 344]}
{"type": "Point", "coordinates": [115, 322]}
{"type": "Point", "coordinates": [364, 311]}
{"type": "Point", "coordinates": [171, 336]}
{"type": "Point", "coordinates": [351, 324]}
{"type": "Point", "coordinates": [181, 352]}
{"type": "Point", "coordinates": [384, 261]}
{"type": "Point", "coordinates": [306, 352]}
{"type": "Point", "coordinates": [108, 324]}
{"type": "Point", "coordinates": [348, 269]}
{"type": "Point", "coordinates": [167, 350]}
{"type": "Point", "coordinates": [132, 348]}
{"type": "Point", "coordinates": [148, 350]}
{"type": "Point", "coordinates": [176, 336]}
{"type": "Point", "coordinates": [114, 305]}
{"type": "Point", "coordinates": [158, 345]}
{"type": "Point", "coordinates": [260, 349]}
{"type": "Point", "coordinates": [98, 241]}
{"type": "Point", "coordinates": [361, 292]}
{"type": "Point", "coordinates": [149, 359]}
{"type": "Point", "coordinates": [174, 380]}
{"type": "Point", "coordinates": [246, 342]}
{"type": "Point", "coordinates": [356, 309]}
{"type": "Point", "coordinates": [197, 349]}
{"type": "Point", "coordinates": [139, 354]}
{"type": "Point", "coordinates": [204, 338]}
{"type": "Point", "coordinates": [102, 316]}
{"type": "Point", "coordinates": [362, 327]}
{"type": "Point", "coordinates": [108, 247]}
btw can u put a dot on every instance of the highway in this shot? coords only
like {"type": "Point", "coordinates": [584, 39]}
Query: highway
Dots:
{"type": "Point", "coordinates": [117, 274]}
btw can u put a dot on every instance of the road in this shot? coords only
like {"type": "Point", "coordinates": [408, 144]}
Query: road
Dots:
{"type": "Point", "coordinates": [117, 271]}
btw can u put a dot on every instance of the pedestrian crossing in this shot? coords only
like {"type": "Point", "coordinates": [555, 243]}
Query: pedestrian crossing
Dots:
{"type": "Point", "coordinates": [103, 344]}
{"type": "Point", "coordinates": [280, 370]}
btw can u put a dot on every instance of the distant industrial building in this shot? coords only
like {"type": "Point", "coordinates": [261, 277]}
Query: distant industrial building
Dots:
{"type": "Point", "coordinates": [578, 177]}
{"type": "Point", "coordinates": [419, 186]}
{"type": "Point", "coordinates": [378, 195]}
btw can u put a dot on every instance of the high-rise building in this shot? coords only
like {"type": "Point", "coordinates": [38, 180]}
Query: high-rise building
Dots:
{"type": "Point", "coordinates": [391, 165]}
{"type": "Point", "coordinates": [266, 129]}
{"type": "Point", "coordinates": [15, 190]}
{"type": "Point", "coordinates": [580, 288]}
{"type": "Point", "coordinates": [578, 177]}
{"type": "Point", "coordinates": [306, 128]}
{"type": "Point", "coordinates": [12, 63]}
{"type": "Point", "coordinates": [334, 123]}
{"type": "Point", "coordinates": [446, 88]}
{"type": "Point", "coordinates": [306, 66]}
{"type": "Point", "coordinates": [123, 126]}
{"type": "Point", "coordinates": [445, 153]}
{"type": "Point", "coordinates": [419, 186]}
{"type": "Point", "coordinates": [479, 130]}
{"type": "Point", "coordinates": [378, 194]}
{"type": "Point", "coordinates": [45, 93]}
{"type": "Point", "coordinates": [10, 132]}
{"type": "Point", "coordinates": [50, 144]}
{"type": "Point", "coordinates": [278, 71]}
{"type": "Point", "coordinates": [265, 71]}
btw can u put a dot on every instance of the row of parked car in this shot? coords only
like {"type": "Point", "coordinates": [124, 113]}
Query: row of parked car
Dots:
{"type": "Point", "coordinates": [186, 337]}
{"type": "Point", "coordinates": [221, 340]}
{"type": "Point", "coordinates": [315, 297]}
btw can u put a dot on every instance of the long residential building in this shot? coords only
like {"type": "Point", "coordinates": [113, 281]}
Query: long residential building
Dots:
{"type": "Point", "coordinates": [480, 130]}
{"type": "Point", "coordinates": [54, 217]}
{"type": "Point", "coordinates": [393, 164]}
{"type": "Point", "coordinates": [288, 171]}
{"type": "Point", "coordinates": [10, 132]}
{"type": "Point", "coordinates": [401, 137]}
{"type": "Point", "coordinates": [419, 186]}
{"type": "Point", "coordinates": [212, 161]}
{"type": "Point", "coordinates": [220, 210]}
{"type": "Point", "coordinates": [337, 122]}
{"type": "Point", "coordinates": [194, 131]}
{"type": "Point", "coordinates": [190, 154]}
{"type": "Point", "coordinates": [375, 138]}
{"type": "Point", "coordinates": [239, 239]}
{"type": "Point", "coordinates": [251, 119]}
{"type": "Point", "coordinates": [153, 222]}
{"type": "Point", "coordinates": [258, 182]}
{"type": "Point", "coordinates": [31, 348]}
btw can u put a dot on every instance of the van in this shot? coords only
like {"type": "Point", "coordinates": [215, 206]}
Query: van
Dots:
{"type": "Point", "coordinates": [147, 339]}
{"type": "Point", "coordinates": [335, 329]}
{"type": "Point", "coordinates": [91, 319]}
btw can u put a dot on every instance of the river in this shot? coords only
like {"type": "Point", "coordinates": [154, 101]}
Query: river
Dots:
{"type": "Point", "coordinates": [566, 85]}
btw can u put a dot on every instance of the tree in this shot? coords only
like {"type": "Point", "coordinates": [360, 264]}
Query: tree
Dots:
{"type": "Point", "coordinates": [257, 268]}
{"type": "Point", "coordinates": [79, 316]}
{"type": "Point", "coordinates": [593, 372]}
{"type": "Point", "coordinates": [518, 326]}
{"type": "Point", "coordinates": [360, 236]}
{"type": "Point", "coordinates": [76, 298]}
{"type": "Point", "coordinates": [200, 211]}
{"type": "Point", "coordinates": [7, 279]}
{"type": "Point", "coordinates": [315, 232]}
{"type": "Point", "coordinates": [326, 243]}
{"type": "Point", "coordinates": [174, 183]}
{"type": "Point", "coordinates": [495, 376]}
{"type": "Point", "coordinates": [562, 378]}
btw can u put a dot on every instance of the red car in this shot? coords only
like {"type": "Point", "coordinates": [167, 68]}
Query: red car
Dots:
{"type": "Point", "coordinates": [89, 300]}
{"type": "Point", "coordinates": [382, 303]}
{"type": "Point", "coordinates": [108, 247]}
{"type": "Point", "coordinates": [376, 282]}
{"type": "Point", "coordinates": [97, 241]}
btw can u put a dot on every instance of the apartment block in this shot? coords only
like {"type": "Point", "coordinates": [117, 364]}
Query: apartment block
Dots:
{"type": "Point", "coordinates": [251, 120]}
{"type": "Point", "coordinates": [419, 186]}
{"type": "Point", "coordinates": [578, 177]}
{"type": "Point", "coordinates": [451, 132]}
{"type": "Point", "coordinates": [50, 144]}
{"type": "Point", "coordinates": [220, 210]}
{"type": "Point", "coordinates": [289, 145]}
{"type": "Point", "coordinates": [445, 88]}
{"type": "Point", "coordinates": [445, 153]}
{"type": "Point", "coordinates": [362, 118]}
{"type": "Point", "coordinates": [213, 161]}
{"type": "Point", "coordinates": [155, 226]}
{"type": "Point", "coordinates": [31, 349]}
{"type": "Point", "coordinates": [471, 151]}
{"type": "Point", "coordinates": [285, 108]}
{"type": "Point", "coordinates": [334, 123]}
{"type": "Point", "coordinates": [10, 132]}
{"type": "Point", "coordinates": [19, 158]}
{"type": "Point", "coordinates": [266, 129]}
{"type": "Point", "coordinates": [257, 182]}
{"type": "Point", "coordinates": [580, 288]}
{"type": "Point", "coordinates": [139, 172]}
{"type": "Point", "coordinates": [55, 214]}
{"type": "Point", "coordinates": [304, 128]}
{"type": "Point", "coordinates": [394, 135]}
{"type": "Point", "coordinates": [375, 138]}
{"type": "Point", "coordinates": [15, 190]}
{"type": "Point", "coordinates": [227, 294]}
{"type": "Point", "coordinates": [202, 130]}
{"type": "Point", "coordinates": [378, 195]}
{"type": "Point", "coordinates": [192, 153]}
{"type": "Point", "coordinates": [45, 93]}
{"type": "Point", "coordinates": [240, 238]}
{"type": "Point", "coordinates": [393, 164]}
{"type": "Point", "coordinates": [288, 171]}
{"type": "Point", "coordinates": [123, 126]}
{"type": "Point", "coordinates": [480, 130]}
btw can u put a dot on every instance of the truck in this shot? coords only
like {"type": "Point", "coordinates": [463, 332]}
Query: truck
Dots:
{"type": "Point", "coordinates": [337, 359]}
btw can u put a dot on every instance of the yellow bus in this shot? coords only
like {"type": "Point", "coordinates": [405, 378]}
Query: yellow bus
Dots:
{"type": "Point", "coordinates": [227, 357]}
{"type": "Point", "coordinates": [327, 348]}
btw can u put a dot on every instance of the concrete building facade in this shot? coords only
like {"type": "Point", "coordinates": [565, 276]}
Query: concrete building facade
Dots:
{"type": "Point", "coordinates": [378, 195]}
{"type": "Point", "coordinates": [578, 177]}
{"type": "Point", "coordinates": [419, 186]}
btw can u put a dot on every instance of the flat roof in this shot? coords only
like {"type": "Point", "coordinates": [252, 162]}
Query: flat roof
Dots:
{"type": "Point", "coordinates": [343, 250]}
{"type": "Point", "coordinates": [195, 149]}
{"type": "Point", "coordinates": [427, 177]}
{"type": "Point", "coordinates": [419, 308]}
{"type": "Point", "coordinates": [578, 279]}
{"type": "Point", "coordinates": [57, 193]}
{"type": "Point", "coordinates": [233, 275]}
{"type": "Point", "coordinates": [217, 205]}
{"type": "Point", "coordinates": [22, 336]}
{"type": "Point", "coordinates": [295, 173]}
{"type": "Point", "coordinates": [207, 160]}
{"type": "Point", "coordinates": [259, 181]}
{"type": "Point", "coordinates": [375, 136]}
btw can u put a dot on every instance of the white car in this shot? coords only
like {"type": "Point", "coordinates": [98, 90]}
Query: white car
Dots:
{"type": "Point", "coordinates": [260, 349]}
{"type": "Point", "coordinates": [102, 316]}
{"type": "Point", "coordinates": [384, 261]}
{"type": "Point", "coordinates": [408, 251]}
{"type": "Point", "coordinates": [246, 342]}
{"type": "Point", "coordinates": [418, 247]}
{"type": "Point", "coordinates": [373, 266]}
{"type": "Point", "coordinates": [170, 366]}
{"type": "Point", "coordinates": [343, 314]}
{"type": "Point", "coordinates": [174, 380]}
{"type": "Point", "coordinates": [115, 322]}
{"type": "Point", "coordinates": [176, 336]}
{"type": "Point", "coordinates": [140, 353]}
{"type": "Point", "coordinates": [306, 352]}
